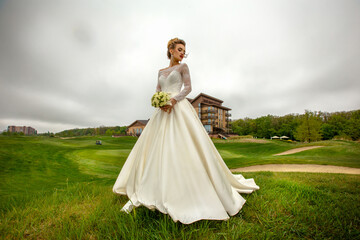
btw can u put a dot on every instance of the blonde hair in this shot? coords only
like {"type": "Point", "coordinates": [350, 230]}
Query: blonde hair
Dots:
{"type": "Point", "coordinates": [172, 43]}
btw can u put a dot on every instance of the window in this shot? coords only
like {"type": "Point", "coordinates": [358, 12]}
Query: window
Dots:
{"type": "Point", "coordinates": [208, 128]}
{"type": "Point", "coordinates": [199, 106]}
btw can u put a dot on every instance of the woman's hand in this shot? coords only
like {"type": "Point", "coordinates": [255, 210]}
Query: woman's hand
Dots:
{"type": "Point", "coordinates": [169, 107]}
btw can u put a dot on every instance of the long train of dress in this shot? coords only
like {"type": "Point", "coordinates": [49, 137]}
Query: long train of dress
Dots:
{"type": "Point", "coordinates": [175, 167]}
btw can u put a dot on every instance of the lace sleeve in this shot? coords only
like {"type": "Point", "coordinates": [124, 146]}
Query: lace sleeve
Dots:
{"type": "Point", "coordinates": [158, 87]}
{"type": "Point", "coordinates": [187, 83]}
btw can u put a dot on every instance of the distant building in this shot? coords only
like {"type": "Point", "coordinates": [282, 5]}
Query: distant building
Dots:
{"type": "Point", "coordinates": [23, 129]}
{"type": "Point", "coordinates": [136, 128]}
{"type": "Point", "coordinates": [214, 116]}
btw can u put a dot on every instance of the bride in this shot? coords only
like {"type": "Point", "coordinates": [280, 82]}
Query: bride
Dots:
{"type": "Point", "coordinates": [174, 166]}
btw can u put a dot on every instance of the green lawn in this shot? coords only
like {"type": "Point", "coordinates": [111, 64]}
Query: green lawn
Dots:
{"type": "Point", "coordinates": [241, 154]}
{"type": "Point", "coordinates": [55, 188]}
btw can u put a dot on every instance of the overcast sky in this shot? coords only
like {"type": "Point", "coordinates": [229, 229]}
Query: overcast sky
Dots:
{"type": "Point", "coordinates": [73, 64]}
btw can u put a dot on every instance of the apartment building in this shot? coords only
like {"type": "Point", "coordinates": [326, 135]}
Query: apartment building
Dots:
{"type": "Point", "coordinates": [213, 115]}
{"type": "Point", "coordinates": [23, 129]}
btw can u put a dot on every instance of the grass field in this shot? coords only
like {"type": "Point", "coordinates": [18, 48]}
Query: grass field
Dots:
{"type": "Point", "coordinates": [55, 188]}
{"type": "Point", "coordinates": [242, 154]}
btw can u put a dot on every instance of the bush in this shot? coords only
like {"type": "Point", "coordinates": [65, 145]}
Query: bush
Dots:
{"type": "Point", "coordinates": [240, 137]}
{"type": "Point", "coordinates": [342, 137]}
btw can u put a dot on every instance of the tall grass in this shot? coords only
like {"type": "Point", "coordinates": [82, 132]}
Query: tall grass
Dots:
{"type": "Point", "coordinates": [62, 189]}
{"type": "Point", "coordinates": [288, 205]}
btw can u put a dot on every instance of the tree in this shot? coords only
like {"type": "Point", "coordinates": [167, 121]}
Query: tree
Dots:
{"type": "Point", "coordinates": [264, 127]}
{"type": "Point", "coordinates": [352, 128]}
{"type": "Point", "coordinates": [109, 132]}
{"type": "Point", "coordinates": [123, 129]}
{"type": "Point", "coordinates": [327, 131]}
{"type": "Point", "coordinates": [309, 129]}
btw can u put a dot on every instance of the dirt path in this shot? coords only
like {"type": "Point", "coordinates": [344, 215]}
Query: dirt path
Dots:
{"type": "Point", "coordinates": [299, 168]}
{"type": "Point", "coordinates": [296, 150]}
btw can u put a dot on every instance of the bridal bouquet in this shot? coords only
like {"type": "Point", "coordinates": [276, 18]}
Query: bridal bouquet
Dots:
{"type": "Point", "coordinates": [160, 99]}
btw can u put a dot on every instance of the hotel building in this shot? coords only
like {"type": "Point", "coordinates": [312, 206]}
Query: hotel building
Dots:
{"type": "Point", "coordinates": [213, 115]}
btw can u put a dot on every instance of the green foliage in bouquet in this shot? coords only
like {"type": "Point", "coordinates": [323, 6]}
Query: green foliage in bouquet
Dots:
{"type": "Point", "coordinates": [160, 99]}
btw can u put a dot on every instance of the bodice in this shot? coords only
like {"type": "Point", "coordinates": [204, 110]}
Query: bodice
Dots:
{"type": "Point", "coordinates": [171, 80]}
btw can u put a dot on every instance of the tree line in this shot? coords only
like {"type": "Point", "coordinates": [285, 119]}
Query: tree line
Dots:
{"type": "Point", "coordinates": [307, 127]}
{"type": "Point", "coordinates": [102, 130]}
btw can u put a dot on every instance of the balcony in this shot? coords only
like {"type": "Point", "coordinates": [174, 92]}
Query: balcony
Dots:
{"type": "Point", "coordinates": [213, 122]}
{"type": "Point", "coordinates": [209, 111]}
{"type": "Point", "coordinates": [209, 117]}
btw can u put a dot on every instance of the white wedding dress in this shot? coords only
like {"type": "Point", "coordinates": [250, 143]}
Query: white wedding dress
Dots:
{"type": "Point", "coordinates": [174, 166]}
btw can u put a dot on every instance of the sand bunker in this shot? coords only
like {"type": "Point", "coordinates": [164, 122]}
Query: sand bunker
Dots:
{"type": "Point", "coordinates": [299, 168]}
{"type": "Point", "coordinates": [296, 150]}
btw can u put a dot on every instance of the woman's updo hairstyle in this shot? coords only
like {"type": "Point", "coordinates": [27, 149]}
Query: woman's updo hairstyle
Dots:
{"type": "Point", "coordinates": [172, 43]}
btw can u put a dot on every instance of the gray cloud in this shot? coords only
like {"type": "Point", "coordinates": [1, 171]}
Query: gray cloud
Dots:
{"type": "Point", "coordinates": [79, 63]}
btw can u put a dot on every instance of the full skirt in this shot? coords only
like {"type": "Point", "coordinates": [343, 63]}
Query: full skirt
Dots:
{"type": "Point", "coordinates": [174, 167]}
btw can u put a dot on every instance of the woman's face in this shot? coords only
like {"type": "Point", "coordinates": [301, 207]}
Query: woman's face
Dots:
{"type": "Point", "coordinates": [178, 52]}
